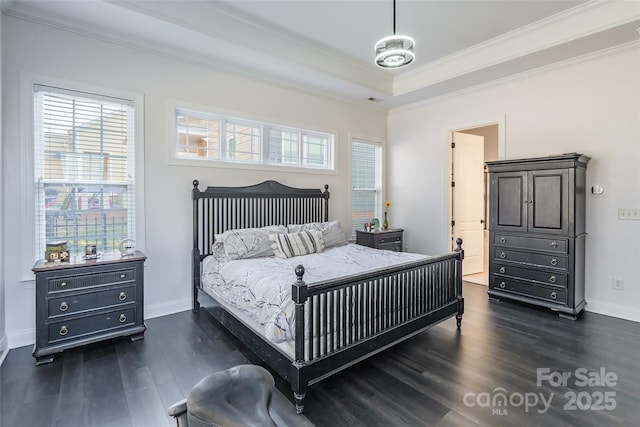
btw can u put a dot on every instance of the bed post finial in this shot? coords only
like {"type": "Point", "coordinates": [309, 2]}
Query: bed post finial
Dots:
{"type": "Point", "coordinates": [459, 246]}
{"type": "Point", "coordinates": [196, 183]}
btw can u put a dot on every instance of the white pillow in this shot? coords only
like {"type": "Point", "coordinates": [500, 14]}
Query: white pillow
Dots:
{"type": "Point", "coordinates": [332, 233]}
{"type": "Point", "coordinates": [245, 242]}
{"type": "Point", "coordinates": [295, 244]}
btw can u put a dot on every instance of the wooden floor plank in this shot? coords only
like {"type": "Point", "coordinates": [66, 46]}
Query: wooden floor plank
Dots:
{"type": "Point", "coordinates": [420, 382]}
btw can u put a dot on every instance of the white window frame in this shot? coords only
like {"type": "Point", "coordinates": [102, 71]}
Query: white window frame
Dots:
{"type": "Point", "coordinates": [176, 107]}
{"type": "Point", "coordinates": [28, 232]}
{"type": "Point", "coordinates": [378, 208]}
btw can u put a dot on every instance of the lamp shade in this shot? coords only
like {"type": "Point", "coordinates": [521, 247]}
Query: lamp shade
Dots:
{"type": "Point", "coordinates": [395, 51]}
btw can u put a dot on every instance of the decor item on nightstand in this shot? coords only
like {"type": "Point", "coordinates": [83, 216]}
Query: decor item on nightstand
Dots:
{"type": "Point", "coordinates": [127, 247]}
{"type": "Point", "coordinates": [90, 251]}
{"type": "Point", "coordinates": [385, 223]}
{"type": "Point", "coordinates": [56, 251]}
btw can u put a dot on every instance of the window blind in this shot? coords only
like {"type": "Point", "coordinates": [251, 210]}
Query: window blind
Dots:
{"type": "Point", "coordinates": [366, 182]}
{"type": "Point", "coordinates": [84, 169]}
{"type": "Point", "coordinates": [206, 136]}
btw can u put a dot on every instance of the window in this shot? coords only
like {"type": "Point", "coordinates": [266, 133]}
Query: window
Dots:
{"type": "Point", "coordinates": [205, 136]}
{"type": "Point", "coordinates": [84, 161]}
{"type": "Point", "coordinates": [366, 183]}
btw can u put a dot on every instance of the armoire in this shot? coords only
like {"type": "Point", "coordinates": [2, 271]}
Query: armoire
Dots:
{"type": "Point", "coordinates": [537, 233]}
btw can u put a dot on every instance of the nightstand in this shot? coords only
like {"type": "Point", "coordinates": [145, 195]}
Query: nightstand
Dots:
{"type": "Point", "coordinates": [85, 301]}
{"type": "Point", "coordinates": [390, 239]}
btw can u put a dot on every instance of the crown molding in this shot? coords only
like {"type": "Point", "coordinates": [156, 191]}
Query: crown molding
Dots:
{"type": "Point", "coordinates": [227, 54]}
{"type": "Point", "coordinates": [633, 46]}
{"type": "Point", "coordinates": [589, 18]}
{"type": "Point", "coordinates": [217, 21]}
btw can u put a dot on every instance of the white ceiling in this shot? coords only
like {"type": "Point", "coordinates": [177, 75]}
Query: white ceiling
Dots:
{"type": "Point", "coordinates": [327, 45]}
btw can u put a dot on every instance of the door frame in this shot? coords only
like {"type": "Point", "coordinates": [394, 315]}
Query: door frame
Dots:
{"type": "Point", "coordinates": [500, 122]}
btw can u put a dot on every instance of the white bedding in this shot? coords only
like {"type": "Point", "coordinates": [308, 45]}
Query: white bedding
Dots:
{"type": "Point", "coordinates": [261, 287]}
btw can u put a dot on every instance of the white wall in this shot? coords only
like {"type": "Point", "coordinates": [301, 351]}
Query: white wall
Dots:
{"type": "Point", "coordinates": [3, 335]}
{"type": "Point", "coordinates": [591, 107]}
{"type": "Point", "coordinates": [38, 49]}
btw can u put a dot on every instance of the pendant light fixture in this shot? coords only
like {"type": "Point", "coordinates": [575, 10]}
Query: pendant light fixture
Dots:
{"type": "Point", "coordinates": [395, 51]}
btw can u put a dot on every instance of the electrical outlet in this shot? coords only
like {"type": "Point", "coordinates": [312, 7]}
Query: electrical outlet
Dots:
{"type": "Point", "coordinates": [628, 213]}
{"type": "Point", "coordinates": [618, 283]}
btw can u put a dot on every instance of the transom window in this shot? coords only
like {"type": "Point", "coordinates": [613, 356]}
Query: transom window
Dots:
{"type": "Point", "coordinates": [205, 136]}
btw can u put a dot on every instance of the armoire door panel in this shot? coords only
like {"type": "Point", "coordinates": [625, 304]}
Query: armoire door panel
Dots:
{"type": "Point", "coordinates": [548, 201]}
{"type": "Point", "coordinates": [510, 190]}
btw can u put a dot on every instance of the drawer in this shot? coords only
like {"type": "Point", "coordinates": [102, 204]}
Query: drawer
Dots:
{"type": "Point", "coordinates": [90, 325]}
{"type": "Point", "coordinates": [391, 246]}
{"type": "Point", "coordinates": [392, 238]}
{"type": "Point", "coordinates": [530, 290]}
{"type": "Point", "coordinates": [77, 281]}
{"type": "Point", "coordinates": [543, 260]}
{"type": "Point", "coordinates": [78, 302]}
{"type": "Point", "coordinates": [546, 277]}
{"type": "Point", "coordinates": [532, 243]}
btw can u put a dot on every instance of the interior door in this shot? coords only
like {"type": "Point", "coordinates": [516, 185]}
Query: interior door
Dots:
{"type": "Point", "coordinates": [468, 199]}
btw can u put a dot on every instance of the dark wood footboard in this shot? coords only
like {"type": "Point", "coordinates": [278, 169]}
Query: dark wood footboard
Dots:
{"type": "Point", "coordinates": [343, 321]}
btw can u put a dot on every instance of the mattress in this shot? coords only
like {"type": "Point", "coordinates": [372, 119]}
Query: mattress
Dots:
{"type": "Point", "coordinates": [258, 290]}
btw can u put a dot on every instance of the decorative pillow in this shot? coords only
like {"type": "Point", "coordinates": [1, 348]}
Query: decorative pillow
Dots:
{"type": "Point", "coordinates": [245, 242]}
{"type": "Point", "coordinates": [332, 233]}
{"type": "Point", "coordinates": [295, 244]}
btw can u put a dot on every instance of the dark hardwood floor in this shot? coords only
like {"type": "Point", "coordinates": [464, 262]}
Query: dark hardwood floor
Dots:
{"type": "Point", "coordinates": [486, 374]}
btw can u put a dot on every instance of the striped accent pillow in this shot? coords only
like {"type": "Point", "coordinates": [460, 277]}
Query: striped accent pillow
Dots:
{"type": "Point", "coordinates": [294, 244]}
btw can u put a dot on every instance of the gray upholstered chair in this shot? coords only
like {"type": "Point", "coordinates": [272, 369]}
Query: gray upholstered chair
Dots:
{"type": "Point", "coordinates": [239, 396]}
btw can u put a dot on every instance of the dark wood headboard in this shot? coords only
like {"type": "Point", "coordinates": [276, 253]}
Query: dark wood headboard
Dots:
{"type": "Point", "coordinates": [218, 209]}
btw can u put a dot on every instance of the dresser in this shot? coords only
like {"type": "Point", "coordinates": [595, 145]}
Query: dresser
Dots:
{"type": "Point", "coordinates": [85, 301]}
{"type": "Point", "coordinates": [537, 231]}
{"type": "Point", "coordinates": [390, 239]}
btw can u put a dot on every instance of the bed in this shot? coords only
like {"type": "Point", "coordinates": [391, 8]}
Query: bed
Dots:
{"type": "Point", "coordinates": [334, 322]}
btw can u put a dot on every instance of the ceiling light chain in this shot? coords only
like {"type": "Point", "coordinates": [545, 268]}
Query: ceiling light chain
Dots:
{"type": "Point", "coordinates": [394, 51]}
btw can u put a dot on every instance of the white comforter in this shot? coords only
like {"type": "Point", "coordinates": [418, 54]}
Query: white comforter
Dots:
{"type": "Point", "coordinates": [261, 287]}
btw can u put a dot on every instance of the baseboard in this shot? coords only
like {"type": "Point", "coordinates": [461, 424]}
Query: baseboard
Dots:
{"type": "Point", "coordinates": [614, 310]}
{"type": "Point", "coordinates": [22, 338]}
{"type": "Point", "coordinates": [167, 308]}
{"type": "Point", "coordinates": [4, 348]}
{"type": "Point", "coordinates": [28, 336]}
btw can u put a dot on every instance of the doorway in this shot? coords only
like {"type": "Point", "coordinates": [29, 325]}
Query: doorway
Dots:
{"type": "Point", "coordinates": [470, 149]}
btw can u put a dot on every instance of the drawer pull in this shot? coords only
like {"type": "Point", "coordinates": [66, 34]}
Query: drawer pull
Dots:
{"type": "Point", "coordinates": [502, 285]}
{"type": "Point", "coordinates": [554, 262]}
{"type": "Point", "coordinates": [122, 318]}
{"type": "Point", "coordinates": [554, 295]}
{"type": "Point", "coordinates": [503, 255]}
{"type": "Point", "coordinates": [64, 306]}
{"type": "Point", "coordinates": [502, 270]}
{"type": "Point", "coordinates": [63, 284]}
{"type": "Point", "coordinates": [64, 330]}
{"type": "Point", "coordinates": [122, 296]}
{"type": "Point", "coordinates": [553, 245]}
{"type": "Point", "coordinates": [503, 240]}
{"type": "Point", "coordinates": [552, 279]}
{"type": "Point", "coordinates": [122, 276]}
